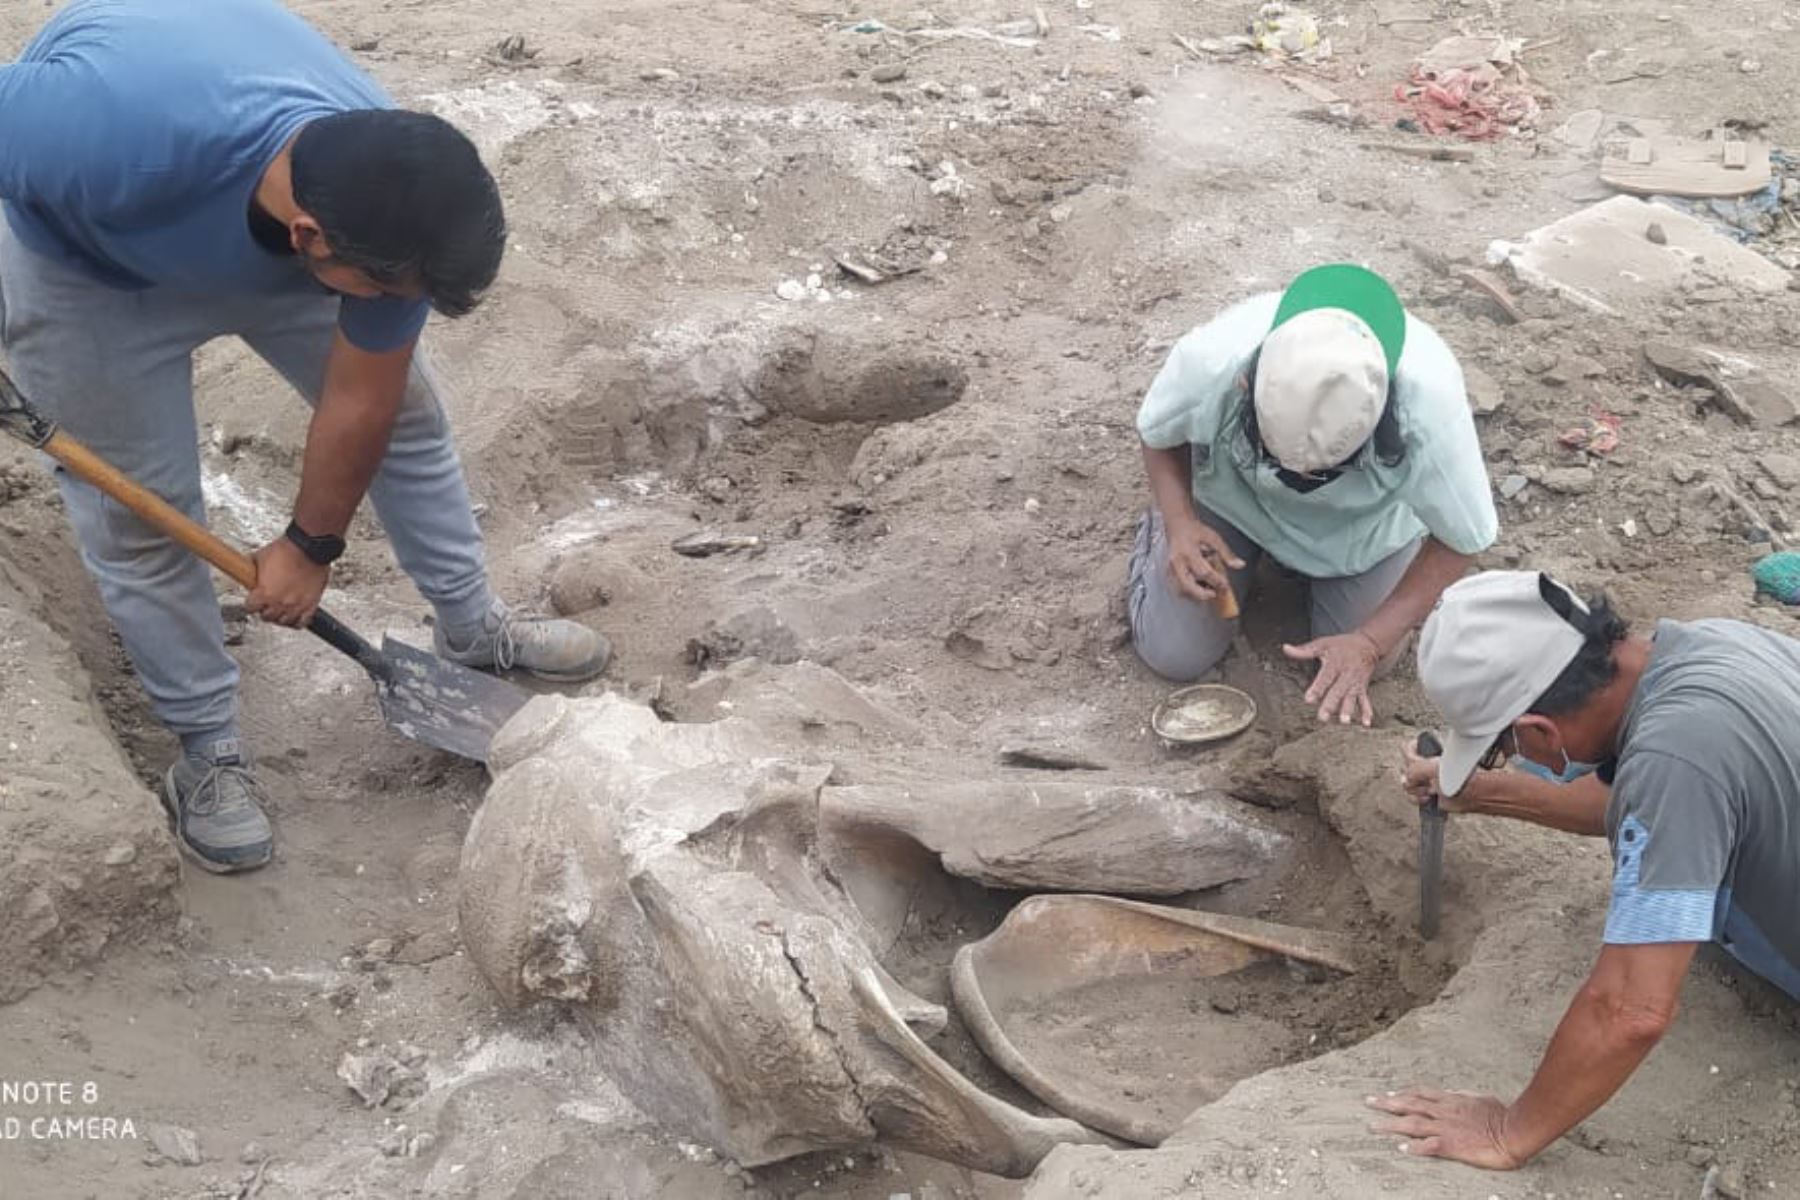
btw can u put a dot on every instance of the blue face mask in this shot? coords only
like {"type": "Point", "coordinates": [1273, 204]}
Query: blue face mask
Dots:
{"type": "Point", "coordinates": [1571, 771]}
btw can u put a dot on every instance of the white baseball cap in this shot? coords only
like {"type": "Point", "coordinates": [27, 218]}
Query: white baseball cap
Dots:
{"type": "Point", "coordinates": [1494, 644]}
{"type": "Point", "coordinates": [1322, 373]}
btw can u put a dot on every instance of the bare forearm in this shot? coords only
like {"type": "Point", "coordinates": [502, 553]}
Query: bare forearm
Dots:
{"type": "Point", "coordinates": [1616, 1019]}
{"type": "Point", "coordinates": [349, 435]}
{"type": "Point", "coordinates": [1578, 807]}
{"type": "Point", "coordinates": [1171, 482]}
{"type": "Point", "coordinates": [1433, 569]}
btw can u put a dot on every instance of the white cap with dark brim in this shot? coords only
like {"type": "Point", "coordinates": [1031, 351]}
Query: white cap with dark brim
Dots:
{"type": "Point", "coordinates": [1494, 644]}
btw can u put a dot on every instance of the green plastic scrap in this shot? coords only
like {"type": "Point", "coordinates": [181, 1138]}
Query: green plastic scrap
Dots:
{"type": "Point", "coordinates": [1778, 575]}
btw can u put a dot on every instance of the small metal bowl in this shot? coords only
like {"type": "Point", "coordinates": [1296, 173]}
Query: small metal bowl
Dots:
{"type": "Point", "coordinates": [1206, 712]}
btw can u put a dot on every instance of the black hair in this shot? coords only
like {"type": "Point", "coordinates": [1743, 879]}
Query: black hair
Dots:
{"type": "Point", "coordinates": [1592, 670]}
{"type": "Point", "coordinates": [1387, 443]}
{"type": "Point", "coordinates": [404, 198]}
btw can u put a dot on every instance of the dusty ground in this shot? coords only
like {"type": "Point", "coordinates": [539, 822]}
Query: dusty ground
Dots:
{"type": "Point", "coordinates": [668, 165]}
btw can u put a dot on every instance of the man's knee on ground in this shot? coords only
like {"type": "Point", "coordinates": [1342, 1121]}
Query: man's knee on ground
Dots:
{"type": "Point", "coordinates": [1180, 661]}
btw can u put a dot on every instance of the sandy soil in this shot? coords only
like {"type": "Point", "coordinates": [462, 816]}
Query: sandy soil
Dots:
{"type": "Point", "coordinates": [944, 473]}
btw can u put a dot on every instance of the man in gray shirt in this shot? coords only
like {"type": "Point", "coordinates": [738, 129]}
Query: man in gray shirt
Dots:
{"type": "Point", "coordinates": [1683, 750]}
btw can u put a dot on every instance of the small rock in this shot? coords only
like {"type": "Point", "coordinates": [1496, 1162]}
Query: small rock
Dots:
{"type": "Point", "coordinates": [1033, 504]}
{"type": "Point", "coordinates": [379, 949]}
{"type": "Point", "coordinates": [120, 855]}
{"type": "Point", "coordinates": [1750, 67]}
{"type": "Point", "coordinates": [1138, 91]}
{"type": "Point", "coordinates": [661, 75]}
{"type": "Point", "coordinates": [1682, 470]}
{"type": "Point", "coordinates": [1512, 485]}
{"type": "Point", "coordinates": [252, 1154]}
{"type": "Point", "coordinates": [888, 73]}
{"type": "Point", "coordinates": [410, 1055]}
{"type": "Point", "coordinates": [1700, 1156]}
{"type": "Point", "coordinates": [1571, 368]}
{"type": "Point", "coordinates": [370, 1076]}
{"type": "Point", "coordinates": [1485, 396]}
{"type": "Point", "coordinates": [1536, 362]}
{"type": "Point", "coordinates": [1061, 213]}
{"type": "Point", "coordinates": [1730, 1182]}
{"type": "Point", "coordinates": [1570, 481]}
{"type": "Point", "coordinates": [178, 1145]}
{"type": "Point", "coordinates": [1784, 469]}
{"type": "Point", "coordinates": [1223, 1004]}
{"type": "Point", "coordinates": [791, 289]}
{"type": "Point", "coordinates": [1655, 234]}
{"type": "Point", "coordinates": [1659, 522]}
{"type": "Point", "coordinates": [933, 89]}
{"type": "Point", "coordinates": [717, 488]}
{"type": "Point", "coordinates": [392, 1144]}
{"type": "Point", "coordinates": [1629, 528]}
{"type": "Point", "coordinates": [364, 45]}
{"type": "Point", "coordinates": [1766, 488]}
{"type": "Point", "coordinates": [422, 1144]}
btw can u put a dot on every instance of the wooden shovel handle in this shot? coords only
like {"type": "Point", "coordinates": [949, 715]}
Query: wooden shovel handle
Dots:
{"type": "Point", "coordinates": [89, 467]}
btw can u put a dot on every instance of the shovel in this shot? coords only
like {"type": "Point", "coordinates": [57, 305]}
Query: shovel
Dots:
{"type": "Point", "coordinates": [422, 696]}
{"type": "Point", "coordinates": [1431, 848]}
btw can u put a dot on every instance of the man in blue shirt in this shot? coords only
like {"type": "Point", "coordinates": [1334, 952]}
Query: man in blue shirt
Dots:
{"type": "Point", "coordinates": [173, 173]}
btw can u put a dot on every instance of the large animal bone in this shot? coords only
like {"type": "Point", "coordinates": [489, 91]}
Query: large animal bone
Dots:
{"type": "Point", "coordinates": [665, 881]}
{"type": "Point", "coordinates": [1141, 841]}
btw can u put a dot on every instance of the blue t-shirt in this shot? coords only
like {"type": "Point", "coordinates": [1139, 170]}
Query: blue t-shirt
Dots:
{"type": "Point", "coordinates": [133, 134]}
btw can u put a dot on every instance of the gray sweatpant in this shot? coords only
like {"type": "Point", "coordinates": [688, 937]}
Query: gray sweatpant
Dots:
{"type": "Point", "coordinates": [115, 368]}
{"type": "Point", "coordinates": [1182, 639]}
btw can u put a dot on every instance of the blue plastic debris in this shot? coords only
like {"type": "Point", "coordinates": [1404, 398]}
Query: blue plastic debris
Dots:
{"type": "Point", "coordinates": [1778, 575]}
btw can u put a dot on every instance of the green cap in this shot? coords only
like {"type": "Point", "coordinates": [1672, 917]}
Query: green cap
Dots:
{"type": "Point", "coordinates": [1356, 290]}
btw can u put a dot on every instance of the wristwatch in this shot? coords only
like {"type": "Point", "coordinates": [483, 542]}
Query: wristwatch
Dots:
{"type": "Point", "coordinates": [323, 550]}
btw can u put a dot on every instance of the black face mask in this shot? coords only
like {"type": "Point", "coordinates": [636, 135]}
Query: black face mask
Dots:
{"type": "Point", "coordinates": [1294, 481]}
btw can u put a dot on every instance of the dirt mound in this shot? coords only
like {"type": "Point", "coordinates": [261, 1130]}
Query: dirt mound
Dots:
{"type": "Point", "coordinates": [85, 855]}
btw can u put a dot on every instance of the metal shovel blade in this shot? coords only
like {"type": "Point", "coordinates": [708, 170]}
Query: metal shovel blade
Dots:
{"type": "Point", "coordinates": [444, 704]}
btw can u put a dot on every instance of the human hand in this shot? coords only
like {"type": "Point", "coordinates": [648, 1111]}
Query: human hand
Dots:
{"type": "Point", "coordinates": [1196, 552]}
{"type": "Point", "coordinates": [1419, 776]}
{"type": "Point", "coordinates": [1347, 663]}
{"type": "Point", "coordinates": [1465, 1127]}
{"type": "Point", "coordinates": [289, 585]}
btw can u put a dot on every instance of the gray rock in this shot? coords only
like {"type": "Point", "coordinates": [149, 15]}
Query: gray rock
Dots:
{"type": "Point", "coordinates": [1572, 368]}
{"type": "Point", "coordinates": [1485, 395]}
{"type": "Point", "coordinates": [1512, 485]}
{"type": "Point", "coordinates": [1784, 469]}
{"type": "Point", "coordinates": [178, 1145]}
{"type": "Point", "coordinates": [1570, 481]}
{"type": "Point", "coordinates": [888, 73]}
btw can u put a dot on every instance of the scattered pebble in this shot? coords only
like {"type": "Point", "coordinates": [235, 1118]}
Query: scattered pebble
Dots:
{"type": "Point", "coordinates": [1656, 234]}
{"type": "Point", "coordinates": [120, 855]}
{"type": "Point", "coordinates": [178, 1145]}
{"type": "Point", "coordinates": [888, 73]}
{"type": "Point", "coordinates": [1570, 481]}
{"type": "Point", "coordinates": [1512, 485]}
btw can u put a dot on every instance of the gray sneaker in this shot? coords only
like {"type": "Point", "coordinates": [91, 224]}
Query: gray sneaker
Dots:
{"type": "Point", "coordinates": [217, 806]}
{"type": "Point", "coordinates": [563, 651]}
